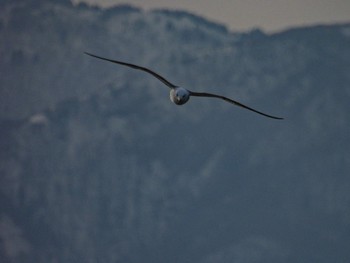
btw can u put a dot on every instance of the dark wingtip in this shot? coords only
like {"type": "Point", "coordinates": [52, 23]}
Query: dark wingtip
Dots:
{"type": "Point", "coordinates": [270, 116]}
{"type": "Point", "coordinates": [278, 118]}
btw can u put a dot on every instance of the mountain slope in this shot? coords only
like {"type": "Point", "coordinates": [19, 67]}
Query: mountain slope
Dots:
{"type": "Point", "coordinates": [99, 166]}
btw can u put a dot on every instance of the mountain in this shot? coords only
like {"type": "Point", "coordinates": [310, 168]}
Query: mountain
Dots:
{"type": "Point", "coordinates": [97, 165]}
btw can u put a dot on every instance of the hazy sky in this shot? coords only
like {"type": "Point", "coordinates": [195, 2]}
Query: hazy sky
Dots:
{"type": "Point", "coordinates": [238, 15]}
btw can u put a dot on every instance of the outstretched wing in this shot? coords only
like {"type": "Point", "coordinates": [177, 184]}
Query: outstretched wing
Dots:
{"type": "Point", "coordinates": [170, 85]}
{"type": "Point", "coordinates": [204, 94]}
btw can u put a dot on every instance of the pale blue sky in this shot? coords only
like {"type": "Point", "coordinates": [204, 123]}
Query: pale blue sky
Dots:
{"type": "Point", "coordinates": [238, 15]}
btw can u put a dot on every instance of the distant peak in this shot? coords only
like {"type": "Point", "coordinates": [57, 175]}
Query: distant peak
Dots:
{"type": "Point", "coordinates": [124, 8]}
{"type": "Point", "coordinates": [197, 19]}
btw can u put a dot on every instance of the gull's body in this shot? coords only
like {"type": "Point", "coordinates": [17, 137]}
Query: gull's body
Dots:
{"type": "Point", "coordinates": [180, 95]}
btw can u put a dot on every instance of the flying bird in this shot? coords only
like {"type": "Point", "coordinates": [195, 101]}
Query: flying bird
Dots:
{"type": "Point", "coordinates": [180, 95]}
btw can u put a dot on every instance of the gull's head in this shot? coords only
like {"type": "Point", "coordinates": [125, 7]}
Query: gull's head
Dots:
{"type": "Point", "coordinates": [179, 95]}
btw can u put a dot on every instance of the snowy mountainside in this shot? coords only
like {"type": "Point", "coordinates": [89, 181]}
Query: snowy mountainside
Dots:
{"type": "Point", "coordinates": [97, 165]}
